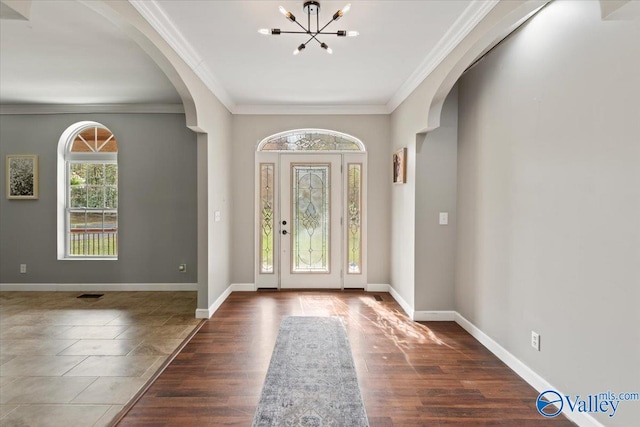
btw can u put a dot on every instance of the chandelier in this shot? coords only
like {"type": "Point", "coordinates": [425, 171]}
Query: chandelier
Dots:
{"type": "Point", "coordinates": [312, 8]}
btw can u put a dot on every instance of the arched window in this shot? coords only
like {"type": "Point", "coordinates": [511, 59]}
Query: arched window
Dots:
{"type": "Point", "coordinates": [88, 192]}
{"type": "Point", "coordinates": [311, 140]}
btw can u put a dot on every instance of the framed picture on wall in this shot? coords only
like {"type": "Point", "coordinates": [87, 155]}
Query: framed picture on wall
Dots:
{"type": "Point", "coordinates": [22, 176]}
{"type": "Point", "coordinates": [400, 166]}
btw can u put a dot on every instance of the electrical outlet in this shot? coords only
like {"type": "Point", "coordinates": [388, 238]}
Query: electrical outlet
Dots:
{"type": "Point", "coordinates": [23, 268]}
{"type": "Point", "coordinates": [535, 340]}
{"type": "Point", "coordinates": [182, 268]}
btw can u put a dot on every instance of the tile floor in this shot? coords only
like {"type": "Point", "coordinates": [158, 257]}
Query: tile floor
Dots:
{"type": "Point", "coordinates": [66, 361]}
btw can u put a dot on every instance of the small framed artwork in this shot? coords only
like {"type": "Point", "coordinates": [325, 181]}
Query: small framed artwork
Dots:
{"type": "Point", "coordinates": [400, 166]}
{"type": "Point", "coordinates": [22, 176]}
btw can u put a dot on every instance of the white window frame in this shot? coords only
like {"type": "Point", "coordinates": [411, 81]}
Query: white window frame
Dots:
{"type": "Point", "coordinates": [65, 158]}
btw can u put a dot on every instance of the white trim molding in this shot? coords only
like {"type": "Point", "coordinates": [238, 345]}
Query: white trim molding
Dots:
{"type": "Point", "coordinates": [515, 364]}
{"type": "Point", "coordinates": [204, 313]}
{"type": "Point", "coordinates": [405, 305]}
{"type": "Point", "coordinates": [243, 287]}
{"type": "Point", "coordinates": [91, 108]}
{"type": "Point", "coordinates": [420, 315]}
{"type": "Point", "coordinates": [532, 378]}
{"type": "Point", "coordinates": [434, 316]}
{"type": "Point", "coordinates": [377, 287]}
{"type": "Point", "coordinates": [307, 109]}
{"type": "Point", "coordinates": [466, 22]}
{"type": "Point", "coordinates": [95, 287]}
{"type": "Point", "coordinates": [153, 13]}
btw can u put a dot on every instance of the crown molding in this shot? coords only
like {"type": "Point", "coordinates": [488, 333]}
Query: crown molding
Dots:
{"type": "Point", "coordinates": [158, 19]}
{"type": "Point", "coordinates": [305, 109]}
{"type": "Point", "coordinates": [91, 108]}
{"type": "Point", "coordinates": [466, 22]}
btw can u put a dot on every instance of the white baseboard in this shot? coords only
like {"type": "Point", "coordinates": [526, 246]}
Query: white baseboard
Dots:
{"type": "Point", "coordinates": [434, 316]}
{"type": "Point", "coordinates": [243, 287]}
{"type": "Point", "coordinates": [526, 373]}
{"type": "Point", "coordinates": [204, 313]}
{"type": "Point", "coordinates": [405, 305]}
{"type": "Point", "coordinates": [377, 287]}
{"type": "Point", "coordinates": [420, 316]}
{"type": "Point", "coordinates": [95, 287]}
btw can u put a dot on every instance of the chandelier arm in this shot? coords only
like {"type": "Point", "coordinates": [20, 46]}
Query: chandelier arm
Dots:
{"type": "Point", "coordinates": [326, 25]}
{"type": "Point", "coordinates": [294, 32]}
{"type": "Point", "coordinates": [302, 26]}
{"type": "Point", "coordinates": [314, 38]}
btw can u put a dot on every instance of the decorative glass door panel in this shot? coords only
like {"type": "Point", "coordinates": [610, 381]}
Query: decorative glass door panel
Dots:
{"type": "Point", "coordinates": [311, 218]}
{"type": "Point", "coordinates": [310, 212]}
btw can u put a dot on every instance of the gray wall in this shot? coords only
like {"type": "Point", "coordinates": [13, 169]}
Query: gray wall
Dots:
{"type": "Point", "coordinates": [157, 202]}
{"type": "Point", "coordinates": [373, 130]}
{"type": "Point", "coordinates": [436, 182]}
{"type": "Point", "coordinates": [549, 200]}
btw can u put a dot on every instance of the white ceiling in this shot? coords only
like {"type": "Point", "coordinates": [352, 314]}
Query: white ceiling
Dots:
{"type": "Point", "coordinates": [67, 53]}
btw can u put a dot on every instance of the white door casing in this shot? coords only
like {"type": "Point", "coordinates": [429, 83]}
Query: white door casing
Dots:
{"type": "Point", "coordinates": [321, 195]}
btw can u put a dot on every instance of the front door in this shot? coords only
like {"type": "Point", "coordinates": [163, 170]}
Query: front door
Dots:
{"type": "Point", "coordinates": [310, 221]}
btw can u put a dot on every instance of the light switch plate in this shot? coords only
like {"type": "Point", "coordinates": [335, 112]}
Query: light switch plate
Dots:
{"type": "Point", "coordinates": [444, 218]}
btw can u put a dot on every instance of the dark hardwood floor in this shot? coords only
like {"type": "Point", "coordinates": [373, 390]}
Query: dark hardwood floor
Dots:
{"type": "Point", "coordinates": [411, 374]}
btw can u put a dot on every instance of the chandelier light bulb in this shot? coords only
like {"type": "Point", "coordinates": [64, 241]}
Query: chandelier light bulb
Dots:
{"type": "Point", "coordinates": [346, 9]}
{"type": "Point", "coordinates": [264, 31]}
{"type": "Point", "coordinates": [353, 33]}
{"type": "Point", "coordinates": [299, 49]}
{"type": "Point", "coordinates": [327, 48]}
{"type": "Point", "coordinates": [283, 10]}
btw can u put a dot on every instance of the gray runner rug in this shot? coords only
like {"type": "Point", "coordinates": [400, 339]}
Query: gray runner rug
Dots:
{"type": "Point", "coordinates": [311, 379]}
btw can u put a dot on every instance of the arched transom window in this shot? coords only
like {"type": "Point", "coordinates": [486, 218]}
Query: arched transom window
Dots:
{"type": "Point", "coordinates": [311, 140]}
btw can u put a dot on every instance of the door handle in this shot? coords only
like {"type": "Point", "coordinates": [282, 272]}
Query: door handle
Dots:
{"type": "Point", "coordinates": [284, 232]}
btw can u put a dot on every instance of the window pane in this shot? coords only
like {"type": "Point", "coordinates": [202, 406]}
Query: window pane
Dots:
{"type": "Point", "coordinates": [77, 220]}
{"type": "Point", "coordinates": [111, 197]}
{"type": "Point", "coordinates": [110, 221]}
{"type": "Point", "coordinates": [111, 174]}
{"type": "Point", "coordinates": [78, 196]}
{"type": "Point", "coordinates": [78, 174]}
{"type": "Point", "coordinates": [95, 197]}
{"type": "Point", "coordinates": [354, 215]}
{"type": "Point", "coordinates": [311, 141]}
{"type": "Point", "coordinates": [94, 220]}
{"type": "Point", "coordinates": [310, 223]}
{"type": "Point", "coordinates": [109, 238]}
{"type": "Point", "coordinates": [266, 220]}
{"type": "Point", "coordinates": [95, 174]}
